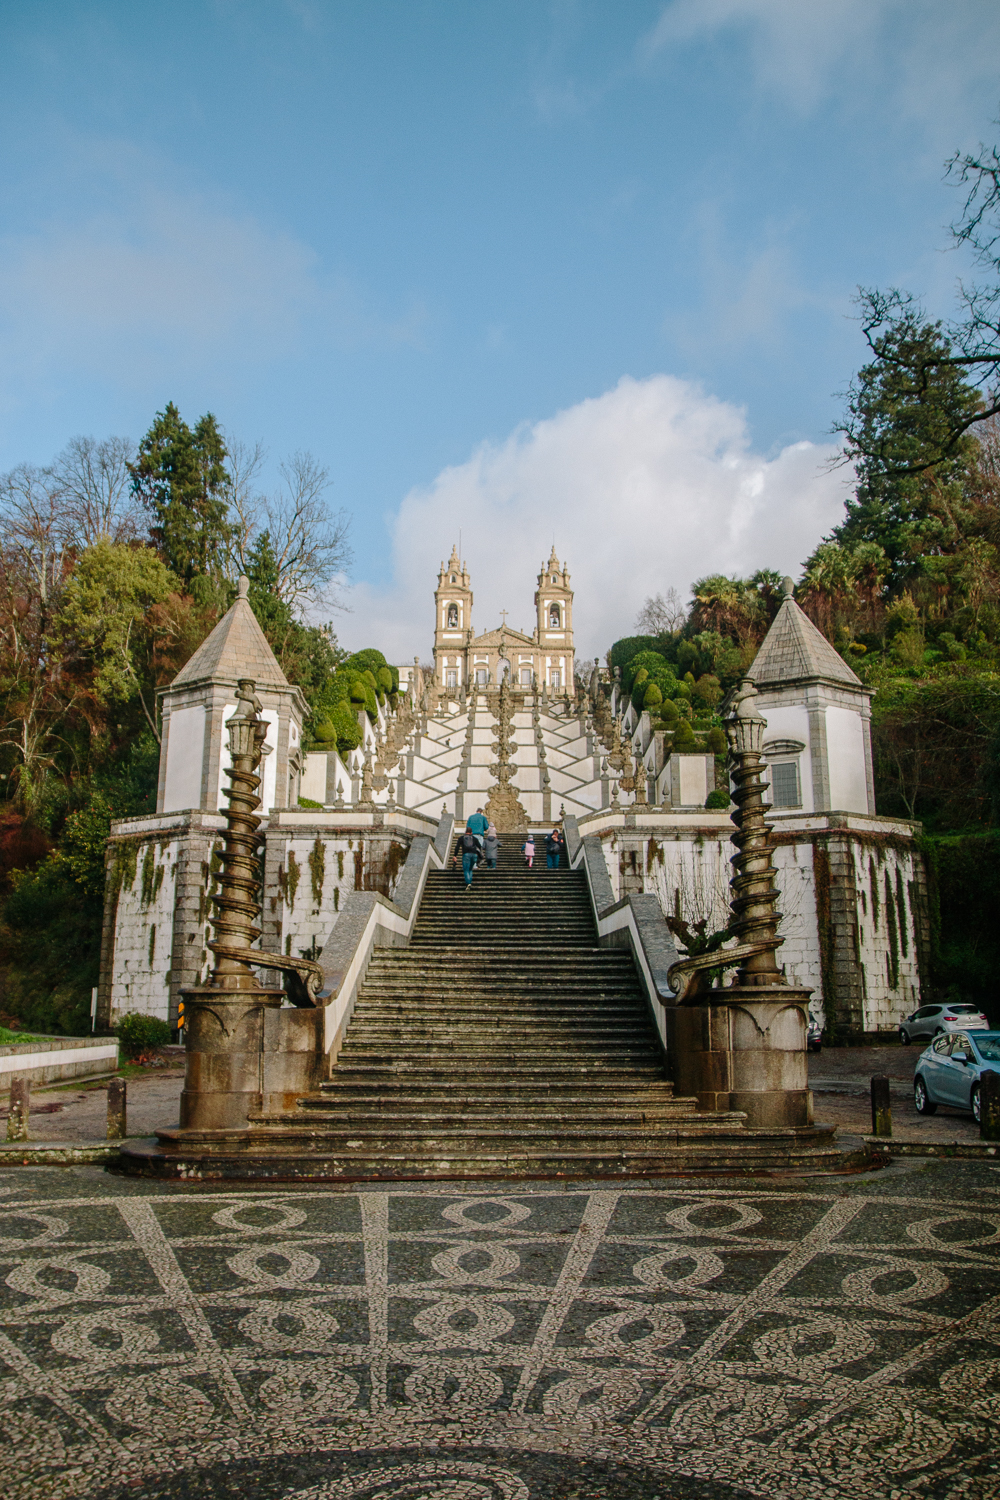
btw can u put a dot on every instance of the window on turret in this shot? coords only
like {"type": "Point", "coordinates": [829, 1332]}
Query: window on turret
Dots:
{"type": "Point", "coordinates": [554, 617]}
{"type": "Point", "coordinates": [482, 676]}
{"type": "Point", "coordinates": [785, 784]}
{"type": "Point", "coordinates": [526, 676]}
{"type": "Point", "coordinates": [453, 616]}
{"type": "Point", "coordinates": [452, 679]}
{"type": "Point", "coordinates": [555, 679]}
{"type": "Point", "coordinates": [453, 578]}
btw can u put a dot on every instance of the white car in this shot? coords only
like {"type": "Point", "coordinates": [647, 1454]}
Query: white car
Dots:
{"type": "Point", "coordinates": [932, 1020]}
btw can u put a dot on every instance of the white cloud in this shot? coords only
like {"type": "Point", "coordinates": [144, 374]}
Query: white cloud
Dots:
{"type": "Point", "coordinates": [162, 280]}
{"type": "Point", "coordinates": [651, 485]}
{"type": "Point", "coordinates": [927, 56]}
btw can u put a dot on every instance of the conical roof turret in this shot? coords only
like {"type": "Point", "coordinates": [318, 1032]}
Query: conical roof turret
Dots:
{"type": "Point", "coordinates": [236, 648]}
{"type": "Point", "coordinates": [795, 651]}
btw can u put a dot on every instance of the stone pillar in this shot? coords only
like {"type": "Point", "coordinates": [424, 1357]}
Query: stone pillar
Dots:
{"type": "Point", "coordinates": [224, 1031]}
{"type": "Point", "coordinates": [743, 1046]}
{"type": "Point", "coordinates": [117, 1112]}
{"type": "Point", "coordinates": [20, 1109]}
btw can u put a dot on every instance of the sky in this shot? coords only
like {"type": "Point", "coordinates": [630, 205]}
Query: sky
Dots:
{"type": "Point", "coordinates": [576, 273]}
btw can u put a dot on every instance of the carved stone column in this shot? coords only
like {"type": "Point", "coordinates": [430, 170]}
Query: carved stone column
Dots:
{"type": "Point", "coordinates": [224, 1034]}
{"type": "Point", "coordinates": [743, 1046]}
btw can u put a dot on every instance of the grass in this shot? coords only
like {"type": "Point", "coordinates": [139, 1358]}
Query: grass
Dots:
{"type": "Point", "coordinates": [19, 1038]}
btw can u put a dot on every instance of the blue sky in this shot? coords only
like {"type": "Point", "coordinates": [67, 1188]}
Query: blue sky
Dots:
{"type": "Point", "coordinates": [573, 270]}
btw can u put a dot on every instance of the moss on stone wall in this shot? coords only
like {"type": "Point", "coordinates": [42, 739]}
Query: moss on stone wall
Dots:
{"type": "Point", "coordinates": [317, 871]}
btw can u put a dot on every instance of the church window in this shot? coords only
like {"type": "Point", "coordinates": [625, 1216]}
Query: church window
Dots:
{"type": "Point", "coordinates": [526, 676]}
{"type": "Point", "coordinates": [554, 578]}
{"type": "Point", "coordinates": [785, 784]}
{"type": "Point", "coordinates": [556, 678]}
{"type": "Point", "coordinates": [554, 617]}
{"type": "Point", "coordinates": [453, 616]}
{"type": "Point", "coordinates": [453, 578]}
{"type": "Point", "coordinates": [452, 678]}
{"type": "Point", "coordinates": [482, 676]}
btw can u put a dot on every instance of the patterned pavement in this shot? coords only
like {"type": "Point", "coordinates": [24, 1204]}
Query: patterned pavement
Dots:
{"type": "Point", "coordinates": [687, 1340]}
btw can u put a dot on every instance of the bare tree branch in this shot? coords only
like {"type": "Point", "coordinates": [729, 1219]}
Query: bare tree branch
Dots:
{"type": "Point", "coordinates": [661, 614]}
{"type": "Point", "coordinates": [95, 489]}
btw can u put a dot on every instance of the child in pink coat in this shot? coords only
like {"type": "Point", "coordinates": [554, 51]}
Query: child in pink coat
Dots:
{"type": "Point", "coordinates": [528, 850]}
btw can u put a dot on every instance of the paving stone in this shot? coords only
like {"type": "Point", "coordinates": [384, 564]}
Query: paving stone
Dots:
{"type": "Point", "coordinates": [804, 1337]}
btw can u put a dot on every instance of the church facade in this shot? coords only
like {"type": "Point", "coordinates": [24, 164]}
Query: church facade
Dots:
{"type": "Point", "coordinates": [464, 661]}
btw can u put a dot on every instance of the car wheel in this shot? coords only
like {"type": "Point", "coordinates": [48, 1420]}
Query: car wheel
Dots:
{"type": "Point", "coordinates": [904, 1037]}
{"type": "Point", "coordinates": [921, 1098]}
{"type": "Point", "coordinates": [976, 1103]}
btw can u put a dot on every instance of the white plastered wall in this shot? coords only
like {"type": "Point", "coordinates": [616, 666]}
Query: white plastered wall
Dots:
{"type": "Point", "coordinates": [185, 750]}
{"type": "Point", "coordinates": [140, 974]}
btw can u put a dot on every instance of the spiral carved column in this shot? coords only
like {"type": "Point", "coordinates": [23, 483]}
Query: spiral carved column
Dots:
{"type": "Point", "coordinates": [224, 1034]}
{"type": "Point", "coordinates": [742, 1046]}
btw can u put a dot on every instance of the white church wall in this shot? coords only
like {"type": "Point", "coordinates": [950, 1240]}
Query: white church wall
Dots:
{"type": "Point", "coordinates": [143, 940]}
{"type": "Point", "coordinates": [185, 751]}
{"type": "Point", "coordinates": [269, 767]}
{"type": "Point", "coordinates": [313, 782]}
{"type": "Point", "coordinates": [845, 739]}
{"type": "Point", "coordinates": [887, 934]}
{"type": "Point", "coordinates": [790, 721]}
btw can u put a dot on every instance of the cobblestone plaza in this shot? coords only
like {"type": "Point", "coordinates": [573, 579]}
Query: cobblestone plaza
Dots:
{"type": "Point", "coordinates": [687, 1339]}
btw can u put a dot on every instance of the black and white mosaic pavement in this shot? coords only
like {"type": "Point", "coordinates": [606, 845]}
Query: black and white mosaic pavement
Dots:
{"type": "Point", "coordinates": [680, 1340]}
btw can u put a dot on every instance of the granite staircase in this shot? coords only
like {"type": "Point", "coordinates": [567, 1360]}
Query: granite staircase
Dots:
{"type": "Point", "coordinates": [504, 1042]}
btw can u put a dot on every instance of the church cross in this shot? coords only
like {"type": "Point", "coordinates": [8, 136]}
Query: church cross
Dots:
{"type": "Point", "coordinates": [504, 613]}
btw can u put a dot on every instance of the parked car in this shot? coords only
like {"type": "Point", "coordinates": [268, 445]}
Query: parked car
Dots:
{"type": "Point", "coordinates": [814, 1035]}
{"type": "Point", "coordinates": [950, 1069]}
{"type": "Point", "coordinates": [930, 1019]}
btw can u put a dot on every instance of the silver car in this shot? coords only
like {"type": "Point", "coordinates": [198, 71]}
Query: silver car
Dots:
{"type": "Point", "coordinates": [932, 1020]}
{"type": "Point", "coordinates": [950, 1071]}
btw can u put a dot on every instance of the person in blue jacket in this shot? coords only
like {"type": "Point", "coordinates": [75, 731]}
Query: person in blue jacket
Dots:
{"type": "Point", "coordinates": [477, 826]}
{"type": "Point", "coordinates": [554, 847]}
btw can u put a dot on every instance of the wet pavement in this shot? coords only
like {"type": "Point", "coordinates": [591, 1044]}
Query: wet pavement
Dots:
{"type": "Point", "coordinates": [809, 1337]}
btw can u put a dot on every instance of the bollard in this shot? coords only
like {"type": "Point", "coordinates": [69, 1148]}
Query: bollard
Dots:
{"type": "Point", "coordinates": [989, 1106]}
{"type": "Point", "coordinates": [20, 1108]}
{"type": "Point", "coordinates": [881, 1108]}
{"type": "Point", "coordinates": [116, 1110]}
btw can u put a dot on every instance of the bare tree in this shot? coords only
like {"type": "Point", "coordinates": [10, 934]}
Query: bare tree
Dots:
{"type": "Point", "coordinates": [95, 491]}
{"type": "Point", "coordinates": [33, 571]}
{"type": "Point", "coordinates": [661, 614]}
{"type": "Point", "coordinates": [309, 540]}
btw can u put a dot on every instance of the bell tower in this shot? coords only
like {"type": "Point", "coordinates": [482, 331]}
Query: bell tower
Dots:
{"type": "Point", "coordinates": [452, 623]}
{"type": "Point", "coordinates": [554, 629]}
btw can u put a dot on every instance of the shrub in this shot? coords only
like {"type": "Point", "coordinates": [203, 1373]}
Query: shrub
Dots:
{"type": "Point", "coordinates": [384, 679]}
{"type": "Point", "coordinates": [668, 712]}
{"type": "Point", "coordinates": [325, 731]}
{"type": "Point", "coordinates": [359, 690]}
{"type": "Point", "coordinates": [652, 698]}
{"type": "Point", "coordinates": [707, 690]}
{"type": "Point", "coordinates": [347, 729]}
{"type": "Point", "coordinates": [717, 800]}
{"type": "Point", "coordinates": [717, 741]}
{"type": "Point", "coordinates": [138, 1033]}
{"type": "Point", "coordinates": [684, 737]}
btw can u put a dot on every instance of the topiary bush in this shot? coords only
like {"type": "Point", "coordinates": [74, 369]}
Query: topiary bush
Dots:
{"type": "Point", "coordinates": [652, 698]}
{"type": "Point", "coordinates": [325, 731]}
{"type": "Point", "coordinates": [347, 729]}
{"type": "Point", "coordinates": [717, 800]}
{"type": "Point", "coordinates": [684, 739]}
{"type": "Point", "coordinates": [707, 690]}
{"type": "Point", "coordinates": [138, 1034]}
{"type": "Point", "coordinates": [383, 677]}
{"type": "Point", "coordinates": [717, 741]}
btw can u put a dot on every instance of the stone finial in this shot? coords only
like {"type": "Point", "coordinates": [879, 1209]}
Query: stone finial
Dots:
{"type": "Point", "coordinates": [787, 587]}
{"type": "Point", "coordinates": [243, 586]}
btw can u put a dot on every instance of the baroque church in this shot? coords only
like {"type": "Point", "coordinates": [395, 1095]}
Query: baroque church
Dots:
{"type": "Point", "coordinates": [464, 661]}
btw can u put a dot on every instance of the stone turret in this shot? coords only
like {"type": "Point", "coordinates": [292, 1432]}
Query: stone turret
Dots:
{"type": "Point", "coordinates": [194, 753]}
{"type": "Point", "coordinates": [818, 741]}
{"type": "Point", "coordinates": [554, 628]}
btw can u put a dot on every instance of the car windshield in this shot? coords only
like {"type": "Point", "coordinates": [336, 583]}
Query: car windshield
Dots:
{"type": "Point", "coordinates": [963, 1010]}
{"type": "Point", "coordinates": [989, 1048]}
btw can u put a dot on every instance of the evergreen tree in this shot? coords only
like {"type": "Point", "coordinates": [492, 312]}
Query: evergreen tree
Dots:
{"type": "Point", "coordinates": [181, 478]}
{"type": "Point", "coordinates": [912, 490]}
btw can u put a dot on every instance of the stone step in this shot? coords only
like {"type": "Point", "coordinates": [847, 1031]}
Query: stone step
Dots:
{"type": "Point", "coordinates": [379, 1031]}
{"type": "Point", "coordinates": [398, 1092]}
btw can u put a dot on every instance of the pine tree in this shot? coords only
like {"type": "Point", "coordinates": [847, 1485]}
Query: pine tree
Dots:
{"type": "Point", "coordinates": [181, 478]}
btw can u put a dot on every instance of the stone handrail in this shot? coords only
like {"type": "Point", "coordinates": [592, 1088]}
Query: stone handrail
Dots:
{"type": "Point", "coordinates": [635, 922]}
{"type": "Point", "coordinates": [368, 921]}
